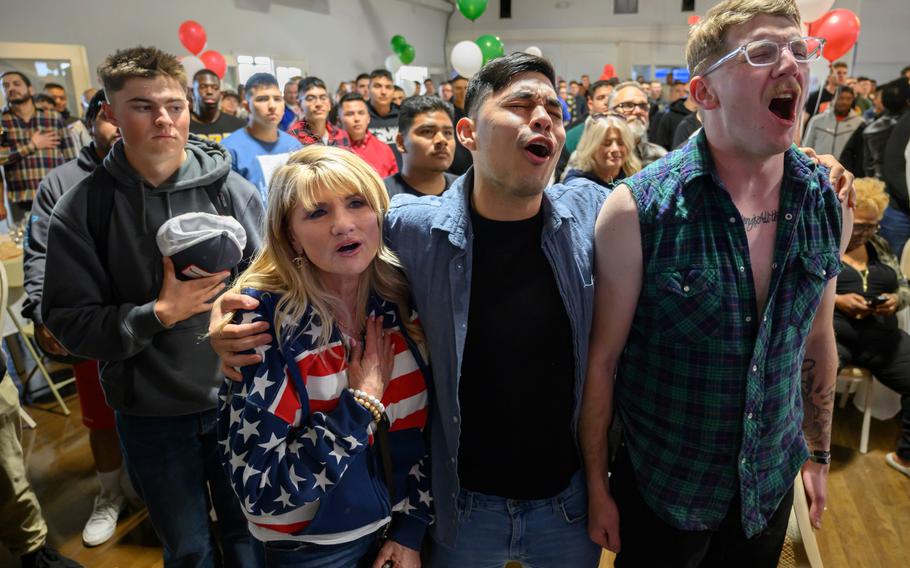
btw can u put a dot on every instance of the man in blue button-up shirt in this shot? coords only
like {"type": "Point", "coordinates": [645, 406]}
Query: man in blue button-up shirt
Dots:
{"type": "Point", "coordinates": [501, 273]}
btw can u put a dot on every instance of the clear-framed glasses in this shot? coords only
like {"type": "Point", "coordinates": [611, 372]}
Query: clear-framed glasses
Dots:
{"type": "Point", "coordinates": [764, 52]}
{"type": "Point", "coordinates": [866, 228]}
{"type": "Point", "coordinates": [629, 106]}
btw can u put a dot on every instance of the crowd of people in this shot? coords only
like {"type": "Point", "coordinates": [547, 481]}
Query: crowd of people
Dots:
{"type": "Point", "coordinates": [430, 296]}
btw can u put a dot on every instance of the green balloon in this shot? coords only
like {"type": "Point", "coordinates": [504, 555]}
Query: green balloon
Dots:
{"type": "Point", "coordinates": [398, 42]}
{"type": "Point", "coordinates": [491, 47]}
{"type": "Point", "coordinates": [472, 9]}
{"type": "Point", "coordinates": [407, 53]}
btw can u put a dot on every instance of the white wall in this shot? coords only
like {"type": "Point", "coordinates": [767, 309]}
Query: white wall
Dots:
{"type": "Point", "coordinates": [337, 38]}
{"type": "Point", "coordinates": [585, 34]}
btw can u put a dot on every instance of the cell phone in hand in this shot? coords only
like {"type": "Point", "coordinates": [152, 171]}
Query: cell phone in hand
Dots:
{"type": "Point", "coordinates": [877, 301]}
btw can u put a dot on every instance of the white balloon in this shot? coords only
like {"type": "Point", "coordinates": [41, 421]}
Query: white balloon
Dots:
{"type": "Point", "coordinates": [534, 50]}
{"type": "Point", "coordinates": [467, 58]}
{"type": "Point", "coordinates": [392, 63]}
{"type": "Point", "coordinates": [811, 10]}
{"type": "Point", "coordinates": [192, 65]}
{"type": "Point", "coordinates": [409, 87]}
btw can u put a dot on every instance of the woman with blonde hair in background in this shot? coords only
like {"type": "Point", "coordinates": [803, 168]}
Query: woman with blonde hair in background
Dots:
{"type": "Point", "coordinates": [323, 437]}
{"type": "Point", "coordinates": [870, 290]}
{"type": "Point", "coordinates": [605, 152]}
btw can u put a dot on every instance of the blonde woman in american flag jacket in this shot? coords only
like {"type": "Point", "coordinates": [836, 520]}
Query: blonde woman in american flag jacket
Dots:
{"type": "Point", "coordinates": [323, 439]}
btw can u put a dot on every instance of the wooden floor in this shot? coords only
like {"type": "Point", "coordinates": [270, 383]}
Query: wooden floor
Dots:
{"type": "Point", "coordinates": [867, 523]}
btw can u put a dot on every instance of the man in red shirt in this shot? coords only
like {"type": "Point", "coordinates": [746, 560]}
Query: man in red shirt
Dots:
{"type": "Point", "coordinates": [355, 118]}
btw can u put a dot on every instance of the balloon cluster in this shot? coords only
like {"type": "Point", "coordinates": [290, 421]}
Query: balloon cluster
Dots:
{"type": "Point", "coordinates": [469, 56]}
{"type": "Point", "coordinates": [193, 37]}
{"type": "Point", "coordinates": [839, 28]}
{"type": "Point", "coordinates": [403, 50]}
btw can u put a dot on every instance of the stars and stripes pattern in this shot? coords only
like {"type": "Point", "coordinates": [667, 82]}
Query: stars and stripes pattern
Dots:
{"type": "Point", "coordinates": [295, 441]}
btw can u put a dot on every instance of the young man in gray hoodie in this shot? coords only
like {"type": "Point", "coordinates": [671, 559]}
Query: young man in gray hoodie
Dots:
{"type": "Point", "coordinates": [109, 295]}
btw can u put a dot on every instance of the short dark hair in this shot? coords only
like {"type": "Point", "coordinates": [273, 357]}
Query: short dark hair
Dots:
{"type": "Point", "coordinates": [26, 80]}
{"type": "Point", "coordinates": [862, 78]}
{"type": "Point", "coordinates": [94, 107]}
{"type": "Point", "coordinates": [905, 69]}
{"type": "Point", "coordinates": [308, 83]}
{"type": "Point", "coordinates": [230, 95]}
{"type": "Point", "coordinates": [54, 86]}
{"type": "Point", "coordinates": [139, 62]}
{"type": "Point", "coordinates": [495, 75]}
{"type": "Point", "coordinates": [362, 76]}
{"type": "Point", "coordinates": [895, 95]}
{"type": "Point", "coordinates": [574, 82]}
{"type": "Point", "coordinates": [839, 64]}
{"type": "Point", "coordinates": [376, 73]}
{"type": "Point", "coordinates": [202, 72]}
{"type": "Point", "coordinates": [352, 97]}
{"type": "Point", "coordinates": [42, 98]}
{"type": "Point", "coordinates": [397, 88]}
{"type": "Point", "coordinates": [421, 104]}
{"type": "Point", "coordinates": [599, 84]}
{"type": "Point", "coordinates": [257, 80]}
{"type": "Point", "coordinates": [846, 89]}
{"type": "Point", "coordinates": [459, 78]}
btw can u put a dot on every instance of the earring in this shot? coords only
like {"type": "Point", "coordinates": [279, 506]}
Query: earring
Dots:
{"type": "Point", "coordinates": [299, 261]}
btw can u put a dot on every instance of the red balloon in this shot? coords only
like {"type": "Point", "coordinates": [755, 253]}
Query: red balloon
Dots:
{"type": "Point", "coordinates": [214, 61]}
{"type": "Point", "coordinates": [192, 36]}
{"type": "Point", "coordinates": [608, 73]}
{"type": "Point", "coordinates": [840, 28]}
{"type": "Point", "coordinates": [693, 20]}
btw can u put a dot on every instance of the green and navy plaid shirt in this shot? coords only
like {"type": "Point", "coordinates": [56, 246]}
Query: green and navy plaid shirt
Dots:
{"type": "Point", "coordinates": [708, 388]}
{"type": "Point", "coordinates": [24, 165]}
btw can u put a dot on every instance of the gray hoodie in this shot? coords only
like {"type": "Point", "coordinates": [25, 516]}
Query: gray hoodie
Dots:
{"type": "Point", "coordinates": [107, 312]}
{"type": "Point", "coordinates": [51, 188]}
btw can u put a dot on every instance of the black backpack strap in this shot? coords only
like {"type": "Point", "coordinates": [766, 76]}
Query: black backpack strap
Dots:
{"type": "Point", "coordinates": [100, 207]}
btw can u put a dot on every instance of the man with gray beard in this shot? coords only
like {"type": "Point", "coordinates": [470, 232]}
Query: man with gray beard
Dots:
{"type": "Point", "coordinates": [630, 100]}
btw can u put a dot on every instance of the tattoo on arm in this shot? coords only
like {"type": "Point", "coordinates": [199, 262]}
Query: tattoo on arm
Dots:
{"type": "Point", "coordinates": [759, 219]}
{"type": "Point", "coordinates": [818, 407]}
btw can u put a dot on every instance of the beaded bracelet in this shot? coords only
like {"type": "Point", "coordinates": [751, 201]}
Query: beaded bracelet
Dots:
{"type": "Point", "coordinates": [371, 403]}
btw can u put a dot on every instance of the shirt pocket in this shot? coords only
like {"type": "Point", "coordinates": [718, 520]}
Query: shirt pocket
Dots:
{"type": "Point", "coordinates": [687, 304]}
{"type": "Point", "coordinates": [811, 271]}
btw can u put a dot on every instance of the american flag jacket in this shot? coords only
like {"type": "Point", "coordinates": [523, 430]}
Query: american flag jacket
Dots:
{"type": "Point", "coordinates": [298, 449]}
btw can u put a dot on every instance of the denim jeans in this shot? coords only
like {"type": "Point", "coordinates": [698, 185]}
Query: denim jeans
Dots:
{"type": "Point", "coordinates": [895, 229]}
{"type": "Point", "coordinates": [359, 553]}
{"type": "Point", "coordinates": [541, 533]}
{"type": "Point", "coordinates": [174, 464]}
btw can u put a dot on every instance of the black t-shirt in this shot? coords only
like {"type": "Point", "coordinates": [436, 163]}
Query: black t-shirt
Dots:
{"type": "Point", "coordinates": [396, 184]}
{"type": "Point", "coordinates": [516, 390]}
{"type": "Point", "coordinates": [219, 130]}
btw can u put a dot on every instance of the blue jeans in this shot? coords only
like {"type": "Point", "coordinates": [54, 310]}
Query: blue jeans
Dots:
{"type": "Point", "coordinates": [171, 460]}
{"type": "Point", "coordinates": [895, 229]}
{"type": "Point", "coordinates": [541, 533]}
{"type": "Point", "coordinates": [359, 553]}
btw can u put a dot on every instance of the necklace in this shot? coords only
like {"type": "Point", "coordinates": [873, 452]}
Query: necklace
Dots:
{"type": "Point", "coordinates": [864, 274]}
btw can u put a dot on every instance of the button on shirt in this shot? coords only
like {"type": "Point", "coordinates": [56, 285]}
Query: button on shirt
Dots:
{"type": "Point", "coordinates": [710, 402]}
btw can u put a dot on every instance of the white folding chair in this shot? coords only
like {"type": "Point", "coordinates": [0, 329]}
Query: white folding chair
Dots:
{"type": "Point", "coordinates": [4, 298]}
{"type": "Point", "coordinates": [14, 280]}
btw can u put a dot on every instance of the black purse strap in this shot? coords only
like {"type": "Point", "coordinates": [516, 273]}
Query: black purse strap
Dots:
{"type": "Point", "coordinates": [382, 443]}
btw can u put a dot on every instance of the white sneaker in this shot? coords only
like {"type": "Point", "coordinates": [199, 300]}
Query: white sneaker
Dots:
{"type": "Point", "coordinates": [103, 521]}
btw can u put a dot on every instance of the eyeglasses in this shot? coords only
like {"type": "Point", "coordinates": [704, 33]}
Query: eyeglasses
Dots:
{"type": "Point", "coordinates": [629, 106]}
{"type": "Point", "coordinates": [866, 227]}
{"type": "Point", "coordinates": [765, 52]}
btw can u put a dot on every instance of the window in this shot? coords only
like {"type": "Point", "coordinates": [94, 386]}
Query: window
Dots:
{"type": "Point", "coordinates": [285, 73]}
{"type": "Point", "coordinates": [505, 9]}
{"type": "Point", "coordinates": [247, 66]}
{"type": "Point", "coordinates": [625, 6]}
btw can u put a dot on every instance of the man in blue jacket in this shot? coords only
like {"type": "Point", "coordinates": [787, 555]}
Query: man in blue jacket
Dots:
{"type": "Point", "coordinates": [500, 270]}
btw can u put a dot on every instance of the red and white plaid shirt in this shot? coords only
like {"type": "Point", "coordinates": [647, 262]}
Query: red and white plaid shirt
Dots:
{"type": "Point", "coordinates": [24, 165]}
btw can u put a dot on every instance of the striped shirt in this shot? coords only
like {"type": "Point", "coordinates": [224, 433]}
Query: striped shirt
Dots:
{"type": "Point", "coordinates": [23, 164]}
{"type": "Point", "coordinates": [708, 388]}
{"type": "Point", "coordinates": [299, 449]}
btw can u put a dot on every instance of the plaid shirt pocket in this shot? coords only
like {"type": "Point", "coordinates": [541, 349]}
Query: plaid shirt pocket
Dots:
{"type": "Point", "coordinates": [812, 271]}
{"type": "Point", "coordinates": [688, 304]}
